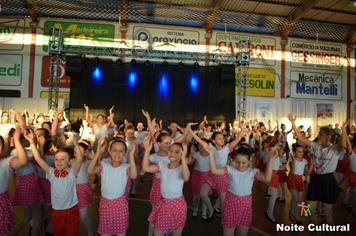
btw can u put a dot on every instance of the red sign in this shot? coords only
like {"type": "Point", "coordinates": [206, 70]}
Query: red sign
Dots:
{"type": "Point", "coordinates": [64, 81]}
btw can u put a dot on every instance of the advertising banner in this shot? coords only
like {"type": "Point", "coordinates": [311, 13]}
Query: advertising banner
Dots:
{"type": "Point", "coordinates": [64, 81]}
{"type": "Point", "coordinates": [81, 34]}
{"type": "Point", "coordinates": [263, 111]}
{"type": "Point", "coordinates": [261, 48]}
{"type": "Point", "coordinates": [11, 34]}
{"type": "Point", "coordinates": [10, 69]}
{"type": "Point", "coordinates": [316, 56]}
{"type": "Point", "coordinates": [325, 115]}
{"type": "Point", "coordinates": [165, 39]}
{"type": "Point", "coordinates": [260, 82]}
{"type": "Point", "coordinates": [313, 85]}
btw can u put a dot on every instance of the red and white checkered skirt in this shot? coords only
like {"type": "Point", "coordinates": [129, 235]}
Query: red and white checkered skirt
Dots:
{"type": "Point", "coordinates": [45, 187]}
{"type": "Point", "coordinates": [6, 214]}
{"type": "Point", "coordinates": [198, 178]}
{"type": "Point", "coordinates": [27, 191]}
{"type": "Point", "coordinates": [351, 179]}
{"type": "Point", "coordinates": [282, 175]}
{"type": "Point", "coordinates": [155, 194]}
{"type": "Point", "coordinates": [84, 194]}
{"type": "Point", "coordinates": [113, 215]}
{"type": "Point", "coordinates": [274, 179]}
{"type": "Point", "coordinates": [169, 214]}
{"type": "Point", "coordinates": [341, 166]}
{"type": "Point", "coordinates": [295, 182]}
{"type": "Point", "coordinates": [237, 211]}
{"type": "Point", "coordinates": [218, 182]}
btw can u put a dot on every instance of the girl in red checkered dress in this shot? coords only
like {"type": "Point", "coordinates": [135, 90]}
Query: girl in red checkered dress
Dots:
{"type": "Point", "coordinates": [237, 208]}
{"type": "Point", "coordinates": [7, 165]}
{"type": "Point", "coordinates": [221, 152]}
{"type": "Point", "coordinates": [84, 190]}
{"type": "Point", "coordinates": [273, 145]}
{"type": "Point", "coordinates": [295, 180]}
{"type": "Point", "coordinates": [170, 214]}
{"type": "Point", "coordinates": [113, 206]}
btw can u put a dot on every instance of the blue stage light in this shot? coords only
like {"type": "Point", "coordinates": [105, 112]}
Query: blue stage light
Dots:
{"type": "Point", "coordinates": [132, 79]}
{"type": "Point", "coordinates": [163, 85]}
{"type": "Point", "coordinates": [97, 74]}
{"type": "Point", "coordinates": [193, 84]}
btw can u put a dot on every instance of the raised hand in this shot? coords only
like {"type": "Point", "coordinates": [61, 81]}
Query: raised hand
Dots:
{"type": "Point", "coordinates": [112, 108]}
{"type": "Point", "coordinates": [86, 107]}
{"type": "Point", "coordinates": [132, 150]}
{"type": "Point", "coordinates": [147, 143]}
{"type": "Point", "coordinates": [189, 125]}
{"type": "Point", "coordinates": [192, 149]}
{"type": "Point", "coordinates": [74, 139]}
{"type": "Point", "coordinates": [145, 113]}
{"type": "Point", "coordinates": [101, 145]}
{"type": "Point", "coordinates": [291, 119]}
{"type": "Point", "coordinates": [29, 135]}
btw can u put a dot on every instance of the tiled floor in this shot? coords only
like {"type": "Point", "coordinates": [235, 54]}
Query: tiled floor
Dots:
{"type": "Point", "coordinates": [140, 208]}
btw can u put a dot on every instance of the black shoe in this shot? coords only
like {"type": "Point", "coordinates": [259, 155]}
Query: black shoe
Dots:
{"type": "Point", "coordinates": [95, 181]}
{"type": "Point", "coordinates": [30, 232]}
{"type": "Point", "coordinates": [133, 195]}
{"type": "Point", "coordinates": [45, 224]}
{"type": "Point", "coordinates": [195, 214]}
{"type": "Point", "coordinates": [204, 218]}
{"type": "Point", "coordinates": [270, 219]}
{"type": "Point", "coordinates": [280, 200]}
{"type": "Point", "coordinates": [290, 218]}
{"type": "Point", "coordinates": [48, 234]}
{"type": "Point", "coordinates": [210, 218]}
{"type": "Point", "coordinates": [141, 181]}
{"type": "Point", "coordinates": [267, 195]}
{"type": "Point", "coordinates": [298, 222]}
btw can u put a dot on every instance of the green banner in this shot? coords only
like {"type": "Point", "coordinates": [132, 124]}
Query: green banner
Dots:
{"type": "Point", "coordinates": [81, 34]}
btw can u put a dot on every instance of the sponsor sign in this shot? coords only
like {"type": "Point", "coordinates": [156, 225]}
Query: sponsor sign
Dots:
{"type": "Point", "coordinates": [316, 56]}
{"type": "Point", "coordinates": [10, 69]}
{"type": "Point", "coordinates": [260, 82]}
{"type": "Point", "coordinates": [11, 34]}
{"type": "Point", "coordinates": [165, 39]}
{"type": "Point", "coordinates": [81, 34]}
{"type": "Point", "coordinates": [264, 111]}
{"type": "Point", "coordinates": [325, 115]}
{"type": "Point", "coordinates": [64, 81]}
{"type": "Point", "coordinates": [44, 94]}
{"type": "Point", "coordinates": [313, 85]}
{"type": "Point", "coordinates": [261, 48]}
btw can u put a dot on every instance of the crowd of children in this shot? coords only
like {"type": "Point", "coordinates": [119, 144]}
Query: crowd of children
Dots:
{"type": "Point", "coordinates": [53, 169]}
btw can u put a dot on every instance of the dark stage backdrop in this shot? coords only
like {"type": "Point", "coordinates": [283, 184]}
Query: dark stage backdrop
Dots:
{"type": "Point", "coordinates": [166, 92]}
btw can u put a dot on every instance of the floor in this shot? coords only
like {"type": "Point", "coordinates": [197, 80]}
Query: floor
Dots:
{"type": "Point", "coordinates": [140, 208]}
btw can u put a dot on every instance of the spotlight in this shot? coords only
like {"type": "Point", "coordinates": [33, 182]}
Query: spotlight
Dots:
{"type": "Point", "coordinates": [180, 65]}
{"type": "Point", "coordinates": [147, 63]}
{"type": "Point", "coordinates": [164, 63]}
{"type": "Point", "coordinates": [118, 62]}
{"type": "Point", "coordinates": [133, 62]}
{"type": "Point", "coordinates": [196, 65]}
{"type": "Point", "coordinates": [96, 60]}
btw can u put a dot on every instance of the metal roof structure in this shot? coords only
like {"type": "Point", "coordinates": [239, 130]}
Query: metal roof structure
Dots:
{"type": "Point", "coordinates": [329, 20]}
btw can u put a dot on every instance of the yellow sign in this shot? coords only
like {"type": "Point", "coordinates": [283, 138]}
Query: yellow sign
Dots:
{"type": "Point", "coordinates": [260, 82]}
{"type": "Point", "coordinates": [60, 95]}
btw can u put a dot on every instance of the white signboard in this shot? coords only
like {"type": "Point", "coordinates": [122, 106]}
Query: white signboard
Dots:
{"type": "Point", "coordinates": [165, 39]}
{"type": "Point", "coordinates": [261, 48]}
{"type": "Point", "coordinates": [10, 69]}
{"type": "Point", "coordinates": [316, 56]}
{"type": "Point", "coordinates": [11, 34]}
{"type": "Point", "coordinates": [315, 85]}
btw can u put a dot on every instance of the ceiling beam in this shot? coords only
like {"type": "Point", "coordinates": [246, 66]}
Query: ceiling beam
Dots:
{"type": "Point", "coordinates": [33, 14]}
{"type": "Point", "coordinates": [211, 14]}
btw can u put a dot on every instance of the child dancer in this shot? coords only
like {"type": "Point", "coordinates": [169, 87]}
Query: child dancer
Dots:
{"type": "Point", "coordinates": [273, 186]}
{"type": "Point", "coordinates": [200, 173]}
{"type": "Point", "coordinates": [295, 180]}
{"type": "Point", "coordinates": [221, 152]}
{"type": "Point", "coordinates": [113, 209]}
{"type": "Point", "coordinates": [351, 179]}
{"type": "Point", "coordinates": [282, 178]}
{"type": "Point", "coordinates": [170, 214]}
{"type": "Point", "coordinates": [84, 190]}
{"type": "Point", "coordinates": [237, 208]}
{"type": "Point", "coordinates": [65, 214]}
{"type": "Point", "coordinates": [7, 165]}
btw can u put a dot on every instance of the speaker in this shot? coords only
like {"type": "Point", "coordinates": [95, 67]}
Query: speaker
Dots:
{"type": "Point", "coordinates": [73, 66]}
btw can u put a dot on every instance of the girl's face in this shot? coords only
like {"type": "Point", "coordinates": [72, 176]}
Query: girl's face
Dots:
{"type": "Point", "coordinates": [219, 140]}
{"type": "Point", "coordinates": [222, 126]}
{"type": "Point", "coordinates": [130, 134]}
{"type": "Point", "coordinates": [241, 162]}
{"type": "Point", "coordinates": [276, 147]}
{"type": "Point", "coordinates": [165, 144]}
{"type": "Point", "coordinates": [40, 119]}
{"type": "Point", "coordinates": [5, 117]}
{"type": "Point", "coordinates": [298, 153]}
{"type": "Point", "coordinates": [117, 152]}
{"type": "Point", "coordinates": [322, 137]}
{"type": "Point", "coordinates": [283, 127]}
{"type": "Point", "coordinates": [46, 126]}
{"type": "Point", "coordinates": [62, 161]}
{"type": "Point", "coordinates": [174, 153]}
{"type": "Point", "coordinates": [353, 128]}
{"type": "Point", "coordinates": [174, 128]}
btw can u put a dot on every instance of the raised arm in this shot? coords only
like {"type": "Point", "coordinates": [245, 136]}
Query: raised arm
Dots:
{"type": "Point", "coordinates": [21, 159]}
{"type": "Point", "coordinates": [190, 159]}
{"type": "Point", "coordinates": [149, 123]}
{"type": "Point", "coordinates": [185, 169]}
{"type": "Point", "coordinates": [201, 142]}
{"type": "Point", "coordinates": [239, 137]}
{"type": "Point", "coordinates": [213, 169]}
{"type": "Point", "coordinates": [311, 165]}
{"type": "Point", "coordinates": [133, 168]}
{"type": "Point", "coordinates": [342, 144]}
{"type": "Point", "coordinates": [296, 131]}
{"type": "Point", "coordinates": [110, 124]}
{"type": "Point", "coordinates": [22, 124]}
{"type": "Point", "coordinates": [90, 122]}
{"type": "Point", "coordinates": [55, 124]}
{"type": "Point", "coordinates": [145, 162]}
{"type": "Point", "coordinates": [93, 168]}
{"type": "Point", "coordinates": [31, 138]}
{"type": "Point", "coordinates": [79, 160]}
